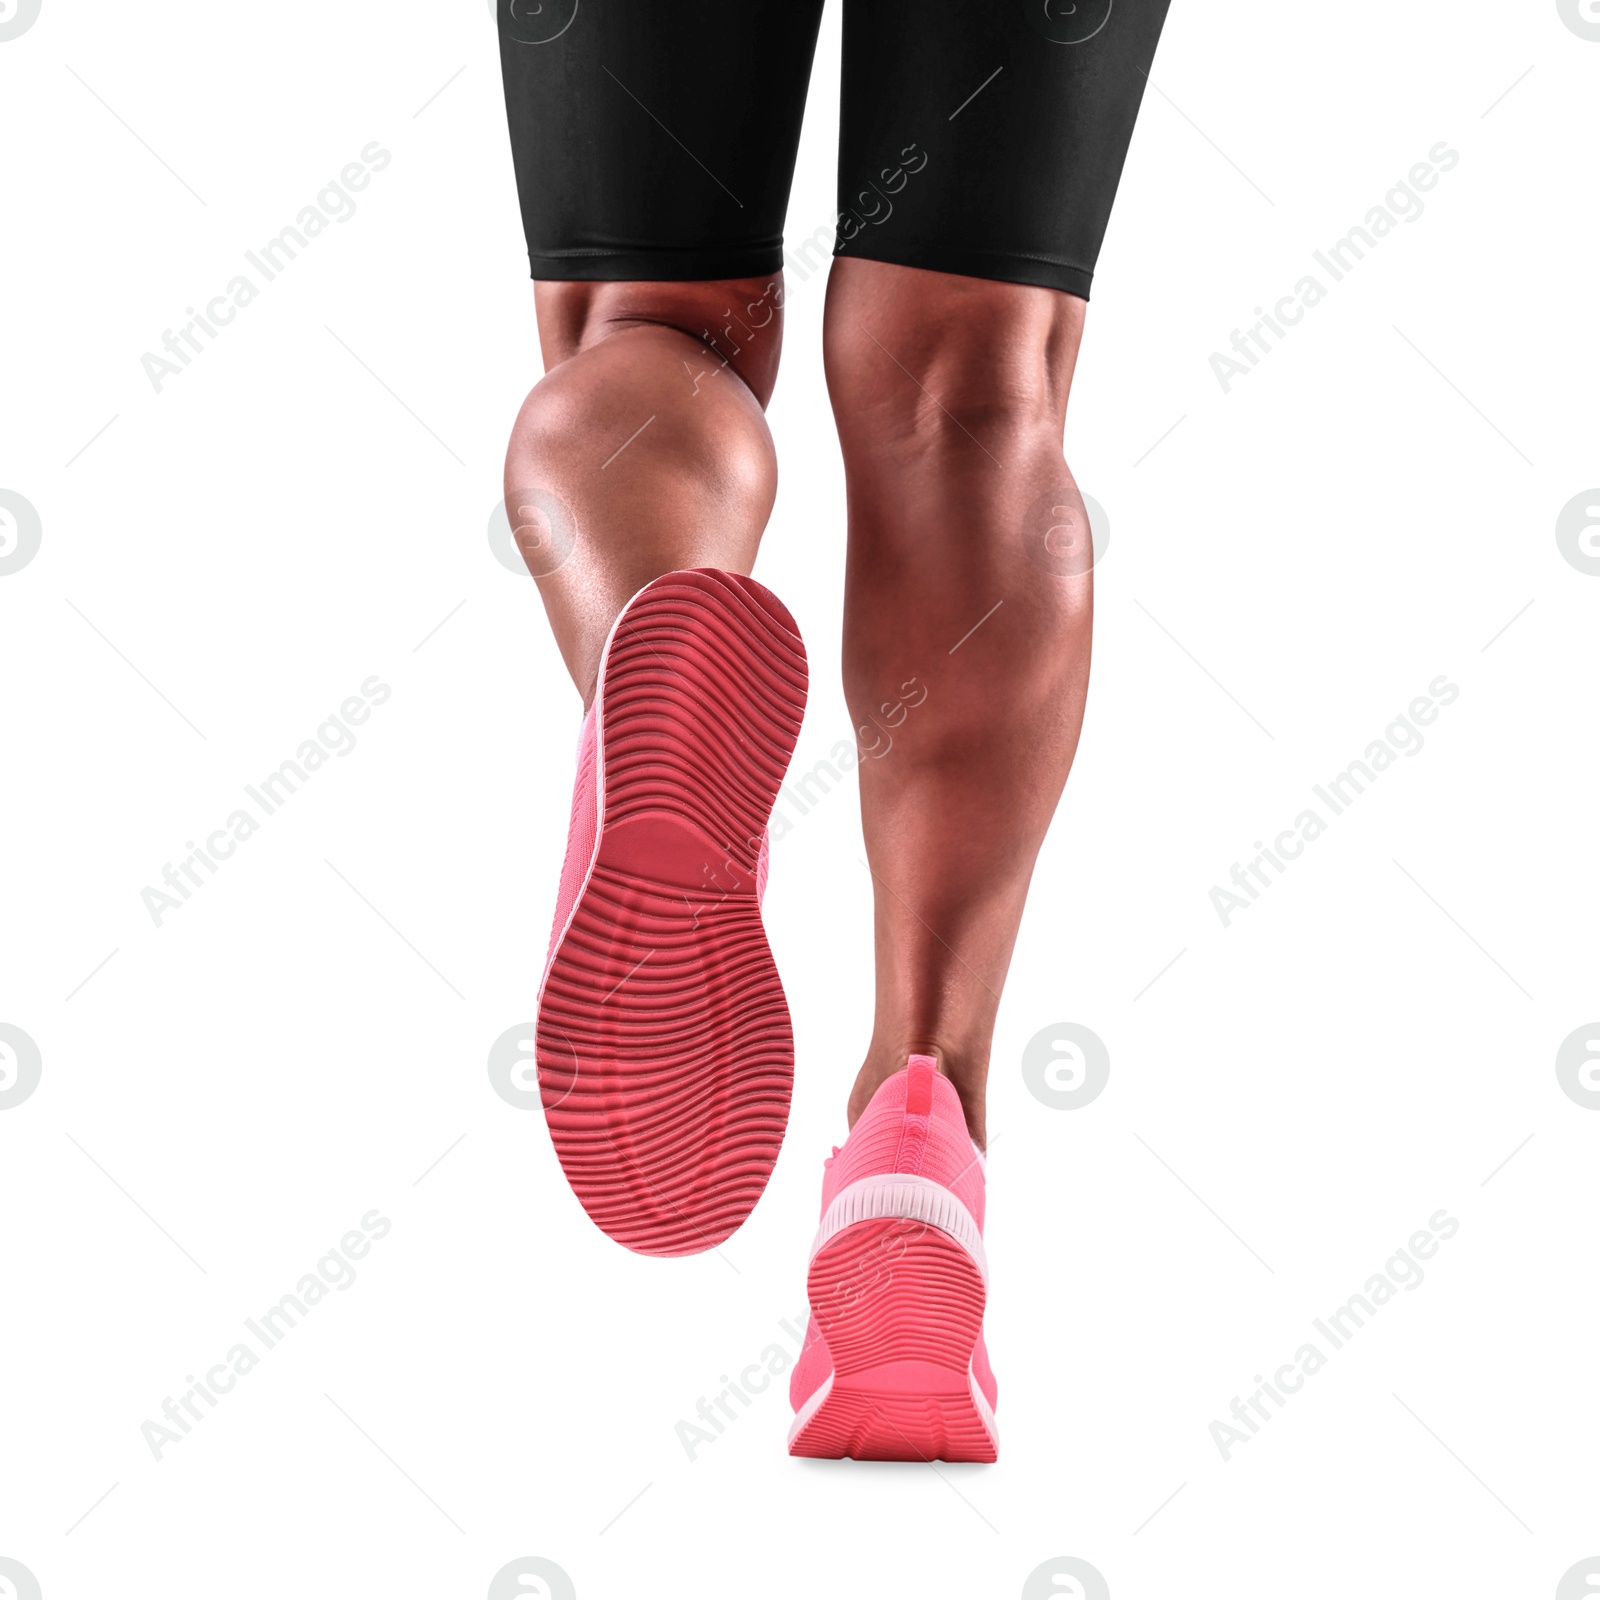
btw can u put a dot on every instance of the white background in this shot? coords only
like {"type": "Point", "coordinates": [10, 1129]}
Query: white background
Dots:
{"type": "Point", "coordinates": [303, 1041]}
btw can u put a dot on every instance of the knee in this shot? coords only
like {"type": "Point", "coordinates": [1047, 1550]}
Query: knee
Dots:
{"type": "Point", "coordinates": [921, 362]}
{"type": "Point", "coordinates": [637, 416]}
{"type": "Point", "coordinates": [737, 323]}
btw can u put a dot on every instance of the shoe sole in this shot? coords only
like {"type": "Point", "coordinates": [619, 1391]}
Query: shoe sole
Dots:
{"type": "Point", "coordinates": [899, 1302]}
{"type": "Point", "coordinates": [665, 1051]}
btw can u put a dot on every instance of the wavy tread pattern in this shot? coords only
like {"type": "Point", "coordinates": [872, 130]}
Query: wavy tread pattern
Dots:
{"type": "Point", "coordinates": [900, 1305]}
{"type": "Point", "coordinates": [666, 1056]}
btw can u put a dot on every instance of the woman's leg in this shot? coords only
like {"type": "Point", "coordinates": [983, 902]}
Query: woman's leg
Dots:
{"type": "Point", "coordinates": [968, 606]}
{"type": "Point", "coordinates": [664, 1046]}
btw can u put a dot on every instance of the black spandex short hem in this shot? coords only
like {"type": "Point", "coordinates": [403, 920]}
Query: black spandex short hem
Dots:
{"type": "Point", "coordinates": [709, 266]}
{"type": "Point", "coordinates": [653, 266]}
{"type": "Point", "coordinates": [998, 266]}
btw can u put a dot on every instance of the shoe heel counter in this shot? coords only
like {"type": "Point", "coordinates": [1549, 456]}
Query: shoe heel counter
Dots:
{"type": "Point", "coordinates": [914, 1126]}
{"type": "Point", "coordinates": [942, 1143]}
{"type": "Point", "coordinates": [917, 1116]}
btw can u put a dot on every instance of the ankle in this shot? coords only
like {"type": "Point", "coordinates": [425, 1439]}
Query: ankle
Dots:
{"type": "Point", "coordinates": [966, 1076]}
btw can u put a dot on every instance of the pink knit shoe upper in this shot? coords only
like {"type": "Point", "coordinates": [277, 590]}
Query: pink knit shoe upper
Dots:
{"type": "Point", "coordinates": [581, 832]}
{"type": "Point", "coordinates": [914, 1125]}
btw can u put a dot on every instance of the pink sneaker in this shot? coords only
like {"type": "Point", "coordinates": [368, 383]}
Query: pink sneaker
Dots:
{"type": "Point", "coordinates": [664, 1045]}
{"type": "Point", "coordinates": [894, 1367]}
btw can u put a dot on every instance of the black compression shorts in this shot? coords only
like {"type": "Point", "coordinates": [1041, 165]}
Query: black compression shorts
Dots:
{"type": "Point", "coordinates": [656, 141]}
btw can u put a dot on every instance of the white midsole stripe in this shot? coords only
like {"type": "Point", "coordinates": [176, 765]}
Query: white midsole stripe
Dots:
{"type": "Point", "coordinates": [907, 1196]}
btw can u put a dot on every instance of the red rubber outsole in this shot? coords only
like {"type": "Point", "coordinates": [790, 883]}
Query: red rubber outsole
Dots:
{"type": "Point", "coordinates": [665, 1051]}
{"type": "Point", "coordinates": [900, 1305]}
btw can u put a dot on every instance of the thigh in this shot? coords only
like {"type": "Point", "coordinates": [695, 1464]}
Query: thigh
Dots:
{"type": "Point", "coordinates": [987, 137]}
{"type": "Point", "coordinates": [655, 142]}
